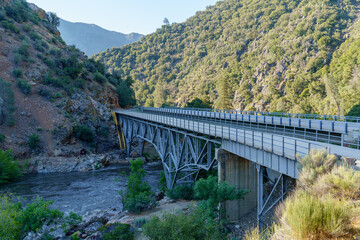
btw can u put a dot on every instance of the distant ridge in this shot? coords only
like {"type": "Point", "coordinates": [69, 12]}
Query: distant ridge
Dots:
{"type": "Point", "coordinates": [93, 39]}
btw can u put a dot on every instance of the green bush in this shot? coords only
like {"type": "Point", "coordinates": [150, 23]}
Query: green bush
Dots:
{"type": "Point", "coordinates": [9, 25]}
{"type": "Point", "coordinates": [36, 214]}
{"type": "Point", "coordinates": [98, 77]}
{"type": "Point", "coordinates": [10, 228]}
{"type": "Point", "coordinates": [24, 86]}
{"type": "Point", "coordinates": [181, 192]}
{"type": "Point", "coordinates": [118, 231]}
{"type": "Point", "coordinates": [138, 196]}
{"type": "Point", "coordinates": [17, 73]}
{"type": "Point", "coordinates": [34, 141]}
{"type": "Point", "coordinates": [45, 94]}
{"type": "Point", "coordinates": [8, 97]}
{"type": "Point", "coordinates": [84, 133]}
{"type": "Point", "coordinates": [9, 168]}
{"type": "Point", "coordinates": [180, 226]}
{"type": "Point", "coordinates": [70, 221]}
{"type": "Point", "coordinates": [2, 138]}
{"type": "Point", "coordinates": [16, 221]}
{"type": "Point", "coordinates": [212, 193]}
{"type": "Point", "coordinates": [162, 182]}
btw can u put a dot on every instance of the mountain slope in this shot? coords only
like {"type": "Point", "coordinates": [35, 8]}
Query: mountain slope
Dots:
{"type": "Point", "coordinates": [93, 39]}
{"type": "Point", "coordinates": [53, 100]}
{"type": "Point", "coordinates": [276, 55]}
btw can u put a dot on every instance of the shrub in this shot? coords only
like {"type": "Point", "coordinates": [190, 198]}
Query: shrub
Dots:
{"type": "Point", "coordinates": [36, 214]}
{"type": "Point", "coordinates": [180, 226]}
{"type": "Point", "coordinates": [342, 183]}
{"type": "Point", "coordinates": [45, 94]}
{"type": "Point", "coordinates": [138, 196]}
{"type": "Point", "coordinates": [9, 168]}
{"type": "Point", "coordinates": [7, 95]}
{"type": "Point", "coordinates": [10, 228]}
{"type": "Point", "coordinates": [2, 138]}
{"type": "Point", "coordinates": [17, 73]}
{"type": "Point", "coordinates": [71, 221]}
{"type": "Point", "coordinates": [24, 86]}
{"type": "Point", "coordinates": [34, 141]}
{"type": "Point", "coordinates": [181, 192]}
{"type": "Point", "coordinates": [309, 217]}
{"type": "Point", "coordinates": [103, 130]}
{"type": "Point", "coordinates": [9, 25]}
{"type": "Point", "coordinates": [98, 77]}
{"type": "Point", "coordinates": [212, 193]}
{"type": "Point", "coordinates": [118, 231]}
{"type": "Point", "coordinates": [84, 133]}
{"type": "Point", "coordinates": [314, 165]}
{"type": "Point", "coordinates": [162, 182]}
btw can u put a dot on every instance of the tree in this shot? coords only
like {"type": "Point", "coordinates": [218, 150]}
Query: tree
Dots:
{"type": "Point", "coordinates": [332, 92]}
{"type": "Point", "coordinates": [223, 101]}
{"type": "Point", "coordinates": [166, 21]}
{"type": "Point", "coordinates": [54, 19]}
{"type": "Point", "coordinates": [138, 196]}
{"type": "Point", "coordinates": [159, 94]}
{"type": "Point", "coordinates": [125, 92]}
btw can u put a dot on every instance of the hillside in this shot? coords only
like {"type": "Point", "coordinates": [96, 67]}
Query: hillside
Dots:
{"type": "Point", "coordinates": [53, 100]}
{"type": "Point", "coordinates": [93, 39]}
{"type": "Point", "coordinates": [276, 55]}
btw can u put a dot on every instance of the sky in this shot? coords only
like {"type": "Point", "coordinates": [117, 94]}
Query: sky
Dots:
{"type": "Point", "coordinates": [125, 16]}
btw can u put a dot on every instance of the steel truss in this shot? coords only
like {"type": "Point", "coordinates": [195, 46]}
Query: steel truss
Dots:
{"type": "Point", "coordinates": [278, 192]}
{"type": "Point", "coordinates": [183, 154]}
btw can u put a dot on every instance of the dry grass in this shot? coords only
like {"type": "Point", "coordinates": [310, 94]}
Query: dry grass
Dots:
{"type": "Point", "coordinates": [342, 183]}
{"type": "Point", "coordinates": [315, 164]}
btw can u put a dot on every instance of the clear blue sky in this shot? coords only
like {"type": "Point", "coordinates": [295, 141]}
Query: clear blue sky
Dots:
{"type": "Point", "coordinates": [126, 16]}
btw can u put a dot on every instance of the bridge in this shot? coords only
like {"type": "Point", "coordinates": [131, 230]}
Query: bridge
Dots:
{"type": "Point", "coordinates": [249, 149]}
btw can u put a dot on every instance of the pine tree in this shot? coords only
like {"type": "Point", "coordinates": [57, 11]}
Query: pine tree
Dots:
{"type": "Point", "coordinates": [159, 94]}
{"type": "Point", "coordinates": [224, 99]}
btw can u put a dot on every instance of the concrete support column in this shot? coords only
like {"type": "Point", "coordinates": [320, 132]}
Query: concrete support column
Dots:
{"type": "Point", "coordinates": [241, 172]}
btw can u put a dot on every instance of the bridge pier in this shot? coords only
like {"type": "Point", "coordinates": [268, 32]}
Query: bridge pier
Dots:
{"type": "Point", "coordinates": [241, 172]}
{"type": "Point", "coordinates": [247, 175]}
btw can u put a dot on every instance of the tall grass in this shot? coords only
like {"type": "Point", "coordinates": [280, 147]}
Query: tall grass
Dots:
{"type": "Point", "coordinates": [305, 216]}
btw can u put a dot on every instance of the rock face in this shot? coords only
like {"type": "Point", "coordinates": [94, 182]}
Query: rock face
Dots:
{"type": "Point", "coordinates": [44, 164]}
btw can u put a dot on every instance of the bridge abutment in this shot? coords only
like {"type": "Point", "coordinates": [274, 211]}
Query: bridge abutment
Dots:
{"type": "Point", "coordinates": [242, 173]}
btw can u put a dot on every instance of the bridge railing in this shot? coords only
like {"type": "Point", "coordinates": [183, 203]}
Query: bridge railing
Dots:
{"type": "Point", "coordinates": [284, 146]}
{"type": "Point", "coordinates": [280, 114]}
{"type": "Point", "coordinates": [240, 121]}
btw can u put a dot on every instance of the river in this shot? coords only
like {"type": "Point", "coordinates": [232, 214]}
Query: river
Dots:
{"type": "Point", "coordinates": [81, 192]}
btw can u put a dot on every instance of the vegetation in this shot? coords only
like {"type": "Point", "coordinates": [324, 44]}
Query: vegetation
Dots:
{"type": "Point", "coordinates": [70, 221]}
{"type": "Point", "coordinates": [324, 205]}
{"type": "Point", "coordinates": [212, 193]}
{"type": "Point", "coordinates": [181, 192]}
{"type": "Point", "coordinates": [84, 133]}
{"type": "Point", "coordinates": [7, 99]}
{"type": "Point", "coordinates": [34, 141]}
{"type": "Point", "coordinates": [9, 169]}
{"type": "Point", "coordinates": [138, 196]}
{"type": "Point", "coordinates": [16, 221]}
{"type": "Point", "coordinates": [201, 222]}
{"type": "Point", "coordinates": [118, 231]}
{"type": "Point", "coordinates": [24, 86]}
{"type": "Point", "coordinates": [2, 138]}
{"type": "Point", "coordinates": [293, 56]}
{"type": "Point", "coordinates": [180, 226]}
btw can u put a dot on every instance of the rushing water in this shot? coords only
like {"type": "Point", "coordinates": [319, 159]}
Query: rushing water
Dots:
{"type": "Point", "coordinates": [80, 192]}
